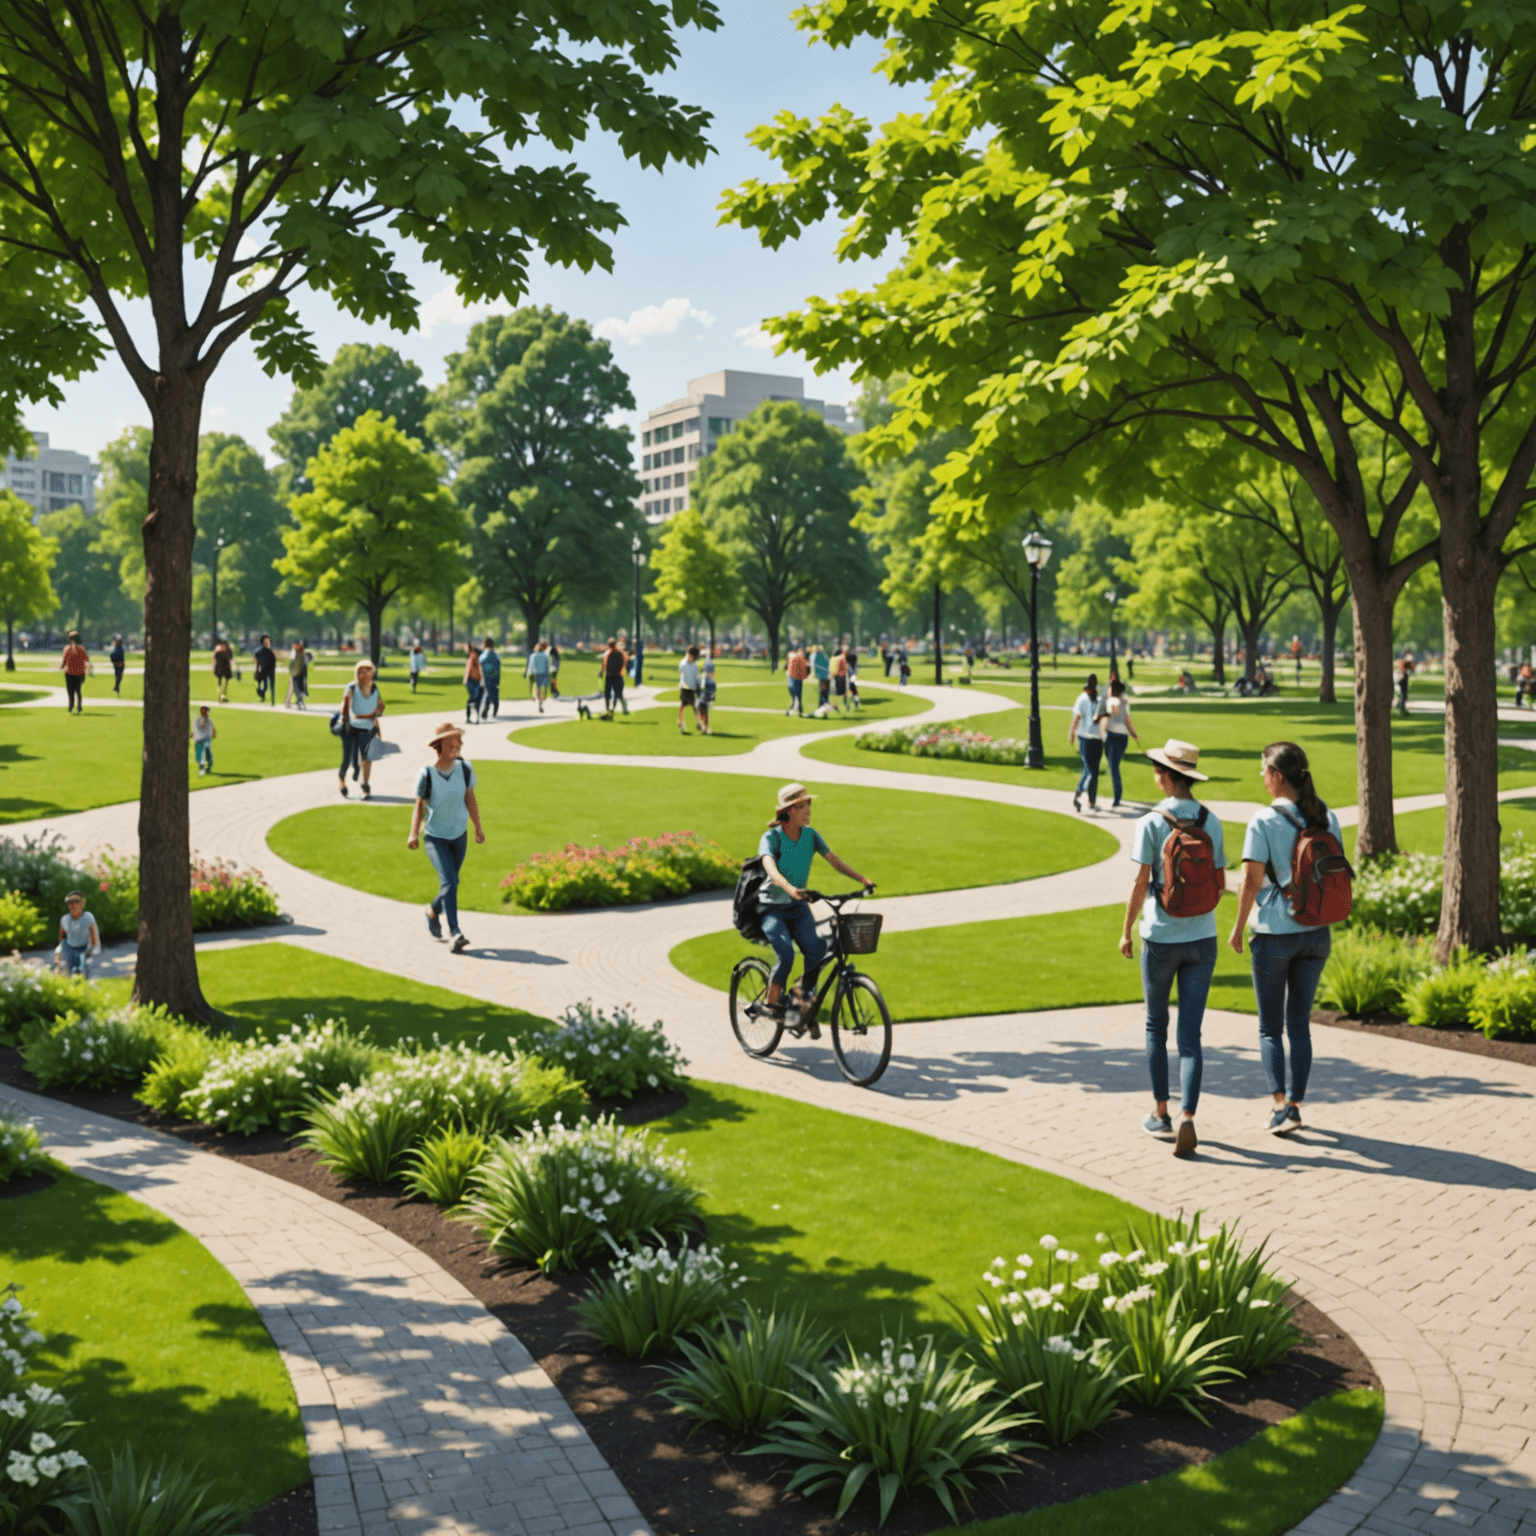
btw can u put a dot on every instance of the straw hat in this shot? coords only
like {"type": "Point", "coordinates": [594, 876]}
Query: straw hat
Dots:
{"type": "Point", "coordinates": [793, 794]}
{"type": "Point", "coordinates": [444, 731]}
{"type": "Point", "coordinates": [1179, 756]}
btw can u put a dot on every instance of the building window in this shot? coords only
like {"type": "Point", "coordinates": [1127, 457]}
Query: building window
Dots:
{"type": "Point", "coordinates": [56, 483]}
{"type": "Point", "coordinates": [691, 425]}
{"type": "Point", "coordinates": [719, 426]}
{"type": "Point", "coordinates": [645, 439]}
{"type": "Point", "coordinates": [693, 451]}
{"type": "Point", "coordinates": [76, 485]}
{"type": "Point", "coordinates": [57, 503]}
{"type": "Point", "coordinates": [677, 429]}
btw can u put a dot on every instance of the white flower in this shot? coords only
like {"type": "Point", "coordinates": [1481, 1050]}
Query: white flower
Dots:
{"type": "Point", "coordinates": [49, 1466]}
{"type": "Point", "coordinates": [1067, 1256]}
{"type": "Point", "coordinates": [13, 1406]}
{"type": "Point", "coordinates": [22, 1469]}
{"type": "Point", "coordinates": [1049, 1243]}
{"type": "Point", "coordinates": [1151, 1271]}
{"type": "Point", "coordinates": [41, 1443]}
{"type": "Point", "coordinates": [1087, 1282]}
{"type": "Point", "coordinates": [1110, 1259]}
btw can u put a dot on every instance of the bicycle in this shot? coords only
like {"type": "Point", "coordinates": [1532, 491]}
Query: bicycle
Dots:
{"type": "Point", "coordinates": [861, 1022]}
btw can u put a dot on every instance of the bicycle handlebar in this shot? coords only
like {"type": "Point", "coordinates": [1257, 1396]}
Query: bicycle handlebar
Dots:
{"type": "Point", "coordinates": [836, 899]}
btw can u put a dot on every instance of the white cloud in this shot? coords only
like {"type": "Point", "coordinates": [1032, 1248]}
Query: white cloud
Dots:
{"type": "Point", "coordinates": [653, 320]}
{"type": "Point", "coordinates": [755, 337]}
{"type": "Point", "coordinates": [216, 411]}
{"type": "Point", "coordinates": [449, 308]}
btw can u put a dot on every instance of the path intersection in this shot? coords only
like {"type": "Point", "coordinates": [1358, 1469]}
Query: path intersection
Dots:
{"type": "Point", "coordinates": [1406, 1209]}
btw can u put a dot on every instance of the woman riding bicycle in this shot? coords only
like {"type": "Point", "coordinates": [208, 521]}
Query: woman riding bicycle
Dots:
{"type": "Point", "coordinates": [788, 847]}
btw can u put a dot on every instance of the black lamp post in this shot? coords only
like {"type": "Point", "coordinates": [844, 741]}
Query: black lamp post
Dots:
{"type": "Point", "coordinates": [638, 552]}
{"type": "Point", "coordinates": [1111, 597]}
{"type": "Point", "coordinates": [1037, 550]}
{"type": "Point", "coordinates": [217, 550]}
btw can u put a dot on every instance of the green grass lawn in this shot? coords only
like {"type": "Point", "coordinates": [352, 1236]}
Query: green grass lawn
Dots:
{"type": "Point", "coordinates": [52, 763]}
{"type": "Point", "coordinates": [1424, 831]}
{"type": "Point", "coordinates": [927, 1218]}
{"type": "Point", "coordinates": [1262, 1488]}
{"type": "Point", "coordinates": [1012, 965]}
{"type": "Point", "coordinates": [877, 702]}
{"type": "Point", "coordinates": [1230, 737]}
{"type": "Point", "coordinates": [20, 695]}
{"type": "Point", "coordinates": [152, 1341]}
{"type": "Point", "coordinates": [904, 842]}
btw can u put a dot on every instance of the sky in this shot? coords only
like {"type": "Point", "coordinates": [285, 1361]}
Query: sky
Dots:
{"type": "Point", "coordinates": [684, 298]}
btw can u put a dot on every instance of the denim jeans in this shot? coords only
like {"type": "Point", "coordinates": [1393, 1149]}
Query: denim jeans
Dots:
{"type": "Point", "coordinates": [784, 926]}
{"type": "Point", "coordinates": [447, 856]}
{"type": "Point", "coordinates": [354, 743]}
{"type": "Point", "coordinates": [796, 701]}
{"type": "Point", "coordinates": [471, 699]}
{"type": "Point", "coordinates": [1192, 964]}
{"type": "Point", "coordinates": [1286, 970]}
{"type": "Point", "coordinates": [74, 959]}
{"type": "Point", "coordinates": [1115, 743]}
{"type": "Point", "coordinates": [490, 699]}
{"type": "Point", "coordinates": [1091, 750]}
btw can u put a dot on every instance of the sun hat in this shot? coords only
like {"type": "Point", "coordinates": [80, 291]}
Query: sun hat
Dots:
{"type": "Point", "coordinates": [793, 794]}
{"type": "Point", "coordinates": [445, 730]}
{"type": "Point", "coordinates": [1179, 756]}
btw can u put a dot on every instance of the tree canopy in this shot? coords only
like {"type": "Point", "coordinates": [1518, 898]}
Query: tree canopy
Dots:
{"type": "Point", "coordinates": [694, 573]}
{"type": "Point", "coordinates": [26, 570]}
{"type": "Point", "coordinates": [237, 503]}
{"type": "Point", "coordinates": [86, 574]}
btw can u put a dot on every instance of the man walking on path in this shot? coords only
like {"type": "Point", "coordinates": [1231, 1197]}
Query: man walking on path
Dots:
{"type": "Point", "coordinates": [797, 669]}
{"type": "Point", "coordinates": [690, 688]}
{"type": "Point", "coordinates": [223, 668]}
{"type": "Point", "coordinates": [1405, 670]}
{"type": "Point", "coordinates": [885, 655]}
{"type": "Point", "coordinates": [490, 680]}
{"type": "Point", "coordinates": [418, 664]}
{"type": "Point", "coordinates": [74, 664]}
{"type": "Point", "coordinates": [612, 663]}
{"type": "Point", "coordinates": [537, 672]}
{"type": "Point", "coordinates": [298, 676]}
{"type": "Point", "coordinates": [554, 670]}
{"type": "Point", "coordinates": [116, 657]}
{"type": "Point", "coordinates": [821, 665]}
{"type": "Point", "coordinates": [264, 660]}
{"type": "Point", "coordinates": [445, 802]}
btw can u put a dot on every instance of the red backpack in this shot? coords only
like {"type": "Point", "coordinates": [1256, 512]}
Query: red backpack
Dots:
{"type": "Point", "coordinates": [1321, 889]}
{"type": "Point", "coordinates": [1192, 882]}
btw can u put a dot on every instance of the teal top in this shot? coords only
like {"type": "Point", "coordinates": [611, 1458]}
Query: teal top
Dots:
{"type": "Point", "coordinates": [1151, 832]}
{"type": "Point", "coordinates": [793, 856]}
{"type": "Point", "coordinates": [446, 796]}
{"type": "Point", "coordinates": [1271, 837]}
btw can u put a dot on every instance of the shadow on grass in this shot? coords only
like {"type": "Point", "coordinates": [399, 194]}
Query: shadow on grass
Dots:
{"type": "Point", "coordinates": [386, 1022]}
{"type": "Point", "coordinates": [89, 1227]}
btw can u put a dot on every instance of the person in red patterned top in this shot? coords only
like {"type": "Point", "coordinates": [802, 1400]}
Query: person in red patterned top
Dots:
{"type": "Point", "coordinates": [74, 666]}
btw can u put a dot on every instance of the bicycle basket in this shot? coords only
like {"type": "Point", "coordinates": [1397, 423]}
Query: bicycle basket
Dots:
{"type": "Point", "coordinates": [861, 932]}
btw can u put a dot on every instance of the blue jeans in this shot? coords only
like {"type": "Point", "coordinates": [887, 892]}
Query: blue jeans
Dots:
{"type": "Point", "coordinates": [1091, 750]}
{"type": "Point", "coordinates": [492, 698]}
{"type": "Point", "coordinates": [1115, 743]}
{"type": "Point", "coordinates": [796, 685]}
{"type": "Point", "coordinates": [1286, 971]}
{"type": "Point", "coordinates": [1192, 964]}
{"type": "Point", "coordinates": [784, 927]}
{"type": "Point", "coordinates": [74, 959]}
{"type": "Point", "coordinates": [354, 743]}
{"type": "Point", "coordinates": [447, 856]}
{"type": "Point", "coordinates": [471, 699]}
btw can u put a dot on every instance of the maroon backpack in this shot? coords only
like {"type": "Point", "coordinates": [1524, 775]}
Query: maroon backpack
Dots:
{"type": "Point", "coordinates": [1321, 889]}
{"type": "Point", "coordinates": [1192, 882]}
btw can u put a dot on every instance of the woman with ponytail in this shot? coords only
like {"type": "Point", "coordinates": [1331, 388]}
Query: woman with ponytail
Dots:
{"type": "Point", "coordinates": [1288, 956]}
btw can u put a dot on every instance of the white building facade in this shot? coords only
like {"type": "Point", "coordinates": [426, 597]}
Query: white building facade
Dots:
{"type": "Point", "coordinates": [50, 479]}
{"type": "Point", "coordinates": [675, 437]}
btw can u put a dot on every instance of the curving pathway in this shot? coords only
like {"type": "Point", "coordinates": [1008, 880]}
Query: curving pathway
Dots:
{"type": "Point", "coordinates": [1405, 1210]}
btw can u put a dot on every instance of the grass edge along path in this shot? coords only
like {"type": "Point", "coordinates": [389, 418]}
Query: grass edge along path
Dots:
{"type": "Point", "coordinates": [1261, 1488]}
{"type": "Point", "coordinates": [152, 1340]}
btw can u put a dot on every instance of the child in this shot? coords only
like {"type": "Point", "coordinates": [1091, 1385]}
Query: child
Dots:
{"type": "Point", "coordinates": [418, 664]}
{"type": "Point", "coordinates": [78, 936]}
{"type": "Point", "coordinates": [203, 733]}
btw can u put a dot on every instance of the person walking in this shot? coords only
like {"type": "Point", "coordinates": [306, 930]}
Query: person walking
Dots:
{"type": "Point", "coordinates": [473, 683]}
{"type": "Point", "coordinates": [706, 703]}
{"type": "Point", "coordinates": [79, 937]}
{"type": "Point", "coordinates": [264, 664]}
{"type": "Point", "coordinates": [885, 655]}
{"type": "Point", "coordinates": [202, 738]}
{"type": "Point", "coordinates": [298, 677]}
{"type": "Point", "coordinates": [840, 679]}
{"type": "Point", "coordinates": [445, 805]}
{"type": "Point", "coordinates": [612, 664]}
{"type": "Point", "coordinates": [537, 673]}
{"type": "Point", "coordinates": [490, 679]}
{"type": "Point", "coordinates": [690, 685]}
{"type": "Point", "coordinates": [1118, 728]}
{"type": "Point", "coordinates": [223, 669]}
{"type": "Point", "coordinates": [903, 668]}
{"type": "Point", "coordinates": [418, 664]}
{"type": "Point", "coordinates": [362, 707]}
{"type": "Point", "coordinates": [854, 702]}
{"type": "Point", "coordinates": [1405, 670]}
{"type": "Point", "coordinates": [796, 670]}
{"type": "Point", "coordinates": [821, 665]}
{"type": "Point", "coordinates": [117, 658]}
{"type": "Point", "coordinates": [1085, 734]}
{"type": "Point", "coordinates": [1178, 929]}
{"type": "Point", "coordinates": [554, 670]}
{"type": "Point", "coordinates": [74, 664]}
{"type": "Point", "coordinates": [1288, 955]}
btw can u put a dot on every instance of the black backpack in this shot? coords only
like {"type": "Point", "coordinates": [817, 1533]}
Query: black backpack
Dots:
{"type": "Point", "coordinates": [746, 905]}
{"type": "Point", "coordinates": [425, 777]}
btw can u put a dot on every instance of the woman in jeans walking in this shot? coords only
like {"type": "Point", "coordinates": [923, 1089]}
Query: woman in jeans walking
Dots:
{"type": "Point", "coordinates": [445, 805]}
{"type": "Point", "coordinates": [1084, 731]}
{"type": "Point", "coordinates": [1118, 730]}
{"type": "Point", "coordinates": [362, 707]}
{"type": "Point", "coordinates": [1288, 957]}
{"type": "Point", "coordinates": [1172, 948]}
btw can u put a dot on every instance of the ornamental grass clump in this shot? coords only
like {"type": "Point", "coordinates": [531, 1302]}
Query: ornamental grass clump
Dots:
{"type": "Point", "coordinates": [103, 1049]}
{"type": "Point", "coordinates": [441, 1167]}
{"type": "Point", "coordinates": [948, 741]}
{"type": "Point", "coordinates": [1370, 972]}
{"type": "Point", "coordinates": [148, 1500]}
{"type": "Point", "coordinates": [653, 1296]}
{"type": "Point", "coordinates": [21, 1148]}
{"type": "Point", "coordinates": [1168, 1360]}
{"type": "Point", "coordinates": [644, 869]}
{"type": "Point", "coordinates": [30, 994]}
{"type": "Point", "coordinates": [613, 1055]}
{"type": "Point", "coordinates": [739, 1374]}
{"type": "Point", "coordinates": [906, 1419]}
{"type": "Point", "coordinates": [555, 1196]}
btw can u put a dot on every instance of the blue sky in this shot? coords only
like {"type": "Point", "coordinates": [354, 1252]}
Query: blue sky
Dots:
{"type": "Point", "coordinates": [684, 297]}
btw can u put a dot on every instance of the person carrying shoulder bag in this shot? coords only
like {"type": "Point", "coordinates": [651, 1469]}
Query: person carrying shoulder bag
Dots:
{"type": "Point", "coordinates": [445, 805]}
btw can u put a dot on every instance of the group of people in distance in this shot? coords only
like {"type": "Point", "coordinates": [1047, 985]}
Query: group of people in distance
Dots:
{"type": "Point", "coordinates": [836, 675]}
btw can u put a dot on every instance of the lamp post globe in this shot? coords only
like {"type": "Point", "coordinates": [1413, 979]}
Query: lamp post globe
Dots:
{"type": "Point", "coordinates": [1037, 551]}
{"type": "Point", "coordinates": [218, 547]}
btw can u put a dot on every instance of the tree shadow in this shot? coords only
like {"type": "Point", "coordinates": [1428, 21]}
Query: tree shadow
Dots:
{"type": "Point", "coordinates": [76, 1219]}
{"type": "Point", "coordinates": [386, 1020]}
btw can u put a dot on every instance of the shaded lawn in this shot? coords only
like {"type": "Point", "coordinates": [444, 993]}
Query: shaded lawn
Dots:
{"type": "Point", "coordinates": [903, 841]}
{"type": "Point", "coordinates": [52, 763]}
{"type": "Point", "coordinates": [152, 1341]}
{"type": "Point", "coordinates": [927, 1219]}
{"type": "Point", "coordinates": [1012, 965]}
{"type": "Point", "coordinates": [1230, 737]}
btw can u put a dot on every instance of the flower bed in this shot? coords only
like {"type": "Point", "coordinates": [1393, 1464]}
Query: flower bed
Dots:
{"type": "Point", "coordinates": [1402, 894]}
{"type": "Point", "coordinates": [953, 741]}
{"type": "Point", "coordinates": [644, 869]}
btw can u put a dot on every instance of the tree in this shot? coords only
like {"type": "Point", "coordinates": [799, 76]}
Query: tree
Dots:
{"type": "Point", "coordinates": [546, 480]}
{"type": "Point", "coordinates": [778, 492]}
{"type": "Point", "coordinates": [239, 521]}
{"type": "Point", "coordinates": [1095, 565]}
{"type": "Point", "coordinates": [122, 504]}
{"type": "Point", "coordinates": [377, 524]}
{"type": "Point", "coordinates": [211, 160]}
{"type": "Point", "coordinates": [1305, 236]}
{"type": "Point", "coordinates": [26, 570]}
{"type": "Point", "coordinates": [693, 572]}
{"type": "Point", "coordinates": [358, 379]}
{"type": "Point", "coordinates": [85, 573]}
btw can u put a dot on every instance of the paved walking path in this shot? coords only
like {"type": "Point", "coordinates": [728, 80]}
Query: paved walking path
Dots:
{"type": "Point", "coordinates": [1405, 1210]}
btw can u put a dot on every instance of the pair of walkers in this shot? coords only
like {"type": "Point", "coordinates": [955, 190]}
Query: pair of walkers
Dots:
{"type": "Point", "coordinates": [1101, 727]}
{"type": "Point", "coordinates": [1295, 883]}
{"type": "Point", "coordinates": [695, 690]}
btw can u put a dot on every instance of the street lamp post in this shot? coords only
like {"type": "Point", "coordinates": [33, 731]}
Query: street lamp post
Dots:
{"type": "Point", "coordinates": [1112, 597]}
{"type": "Point", "coordinates": [638, 553]}
{"type": "Point", "coordinates": [1037, 550]}
{"type": "Point", "coordinates": [217, 548]}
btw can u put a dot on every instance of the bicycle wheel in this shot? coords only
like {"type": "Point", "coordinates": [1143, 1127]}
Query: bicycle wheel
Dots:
{"type": "Point", "coordinates": [861, 1031]}
{"type": "Point", "coordinates": [757, 1032]}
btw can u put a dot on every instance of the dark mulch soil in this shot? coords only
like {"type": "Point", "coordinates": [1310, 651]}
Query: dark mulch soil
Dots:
{"type": "Point", "coordinates": [33, 1184]}
{"type": "Point", "coordinates": [1458, 1037]}
{"type": "Point", "coordinates": [703, 1483]}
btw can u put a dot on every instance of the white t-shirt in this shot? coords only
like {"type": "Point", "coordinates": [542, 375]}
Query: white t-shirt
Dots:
{"type": "Point", "coordinates": [76, 931]}
{"type": "Point", "coordinates": [1118, 720]}
{"type": "Point", "coordinates": [688, 675]}
{"type": "Point", "coordinates": [202, 728]}
{"type": "Point", "coordinates": [1085, 709]}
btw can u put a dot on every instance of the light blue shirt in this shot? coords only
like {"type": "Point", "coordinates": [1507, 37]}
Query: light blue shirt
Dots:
{"type": "Point", "coordinates": [447, 812]}
{"type": "Point", "coordinates": [1151, 832]}
{"type": "Point", "coordinates": [688, 675]}
{"type": "Point", "coordinates": [793, 856]}
{"type": "Point", "coordinates": [1085, 709]}
{"type": "Point", "coordinates": [538, 665]}
{"type": "Point", "coordinates": [1271, 837]}
{"type": "Point", "coordinates": [490, 667]}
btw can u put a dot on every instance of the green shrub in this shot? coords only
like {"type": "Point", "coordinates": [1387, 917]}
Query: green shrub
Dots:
{"type": "Point", "coordinates": [1444, 997]}
{"type": "Point", "coordinates": [364, 1134]}
{"type": "Point", "coordinates": [29, 994]}
{"type": "Point", "coordinates": [22, 924]}
{"type": "Point", "coordinates": [614, 1056]}
{"type": "Point", "coordinates": [1369, 972]}
{"type": "Point", "coordinates": [555, 1197]}
{"type": "Point", "coordinates": [226, 896]}
{"type": "Point", "coordinates": [40, 868]}
{"type": "Point", "coordinates": [183, 1061]}
{"type": "Point", "coordinates": [440, 1168]}
{"type": "Point", "coordinates": [951, 741]}
{"type": "Point", "coordinates": [149, 1501]}
{"type": "Point", "coordinates": [654, 1296]}
{"type": "Point", "coordinates": [110, 1048]}
{"type": "Point", "coordinates": [739, 1376]}
{"type": "Point", "coordinates": [110, 882]}
{"type": "Point", "coordinates": [1402, 893]}
{"type": "Point", "coordinates": [1504, 1002]}
{"type": "Point", "coordinates": [909, 1418]}
{"type": "Point", "coordinates": [1168, 1359]}
{"type": "Point", "coordinates": [21, 1149]}
{"type": "Point", "coordinates": [644, 869]}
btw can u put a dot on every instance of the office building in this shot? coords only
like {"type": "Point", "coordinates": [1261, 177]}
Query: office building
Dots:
{"type": "Point", "coordinates": [675, 437]}
{"type": "Point", "coordinates": [50, 479]}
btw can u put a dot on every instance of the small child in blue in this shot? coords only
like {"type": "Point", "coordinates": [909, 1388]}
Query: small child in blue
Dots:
{"type": "Point", "coordinates": [203, 732]}
{"type": "Point", "coordinates": [78, 936]}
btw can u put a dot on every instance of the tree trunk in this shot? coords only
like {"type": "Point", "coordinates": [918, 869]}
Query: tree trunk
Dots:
{"type": "Point", "coordinates": [1373, 716]}
{"type": "Point", "coordinates": [1250, 648]}
{"type": "Point", "coordinates": [938, 638]}
{"type": "Point", "coordinates": [375, 606]}
{"type": "Point", "coordinates": [166, 971]}
{"type": "Point", "coordinates": [10, 651]}
{"type": "Point", "coordinates": [1470, 912]}
{"type": "Point", "coordinates": [1326, 692]}
{"type": "Point", "coordinates": [1219, 651]}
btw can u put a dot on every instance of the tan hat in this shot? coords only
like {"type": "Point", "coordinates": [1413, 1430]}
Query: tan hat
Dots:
{"type": "Point", "coordinates": [793, 794]}
{"type": "Point", "coordinates": [1180, 756]}
{"type": "Point", "coordinates": [444, 731]}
